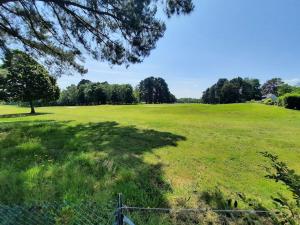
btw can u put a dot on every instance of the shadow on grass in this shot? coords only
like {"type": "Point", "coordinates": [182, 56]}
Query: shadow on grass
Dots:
{"type": "Point", "coordinates": [55, 161]}
{"type": "Point", "coordinates": [17, 115]}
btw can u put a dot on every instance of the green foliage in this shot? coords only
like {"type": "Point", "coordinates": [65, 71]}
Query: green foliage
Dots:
{"type": "Point", "coordinates": [233, 91]}
{"type": "Point", "coordinates": [69, 96]}
{"type": "Point", "coordinates": [128, 95]}
{"type": "Point", "coordinates": [89, 93]}
{"type": "Point", "coordinates": [3, 74]}
{"type": "Point", "coordinates": [252, 89]}
{"type": "Point", "coordinates": [94, 93]}
{"type": "Point", "coordinates": [27, 80]}
{"type": "Point", "coordinates": [268, 101]}
{"type": "Point", "coordinates": [280, 101]}
{"type": "Point", "coordinates": [242, 90]}
{"type": "Point", "coordinates": [230, 93]}
{"type": "Point", "coordinates": [155, 90]}
{"type": "Point", "coordinates": [188, 100]}
{"type": "Point", "coordinates": [289, 211]}
{"type": "Point", "coordinates": [296, 90]}
{"type": "Point", "coordinates": [290, 101]}
{"type": "Point", "coordinates": [284, 174]}
{"type": "Point", "coordinates": [120, 32]}
{"type": "Point", "coordinates": [285, 89]}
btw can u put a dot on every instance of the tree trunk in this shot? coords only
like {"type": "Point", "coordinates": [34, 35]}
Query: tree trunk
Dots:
{"type": "Point", "coordinates": [32, 108]}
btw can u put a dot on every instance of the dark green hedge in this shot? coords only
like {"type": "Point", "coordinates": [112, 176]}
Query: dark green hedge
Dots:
{"type": "Point", "coordinates": [290, 101]}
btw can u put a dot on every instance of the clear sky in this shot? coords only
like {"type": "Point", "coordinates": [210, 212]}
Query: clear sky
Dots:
{"type": "Point", "coordinates": [221, 38]}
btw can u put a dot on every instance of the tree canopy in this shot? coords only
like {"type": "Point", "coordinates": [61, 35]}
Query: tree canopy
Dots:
{"type": "Point", "coordinates": [96, 93]}
{"type": "Point", "coordinates": [26, 80]}
{"type": "Point", "coordinates": [2, 84]}
{"type": "Point", "coordinates": [155, 90]}
{"type": "Point", "coordinates": [59, 32]}
{"type": "Point", "coordinates": [271, 86]}
{"type": "Point", "coordinates": [233, 91]}
{"type": "Point", "coordinates": [242, 90]}
{"type": "Point", "coordinates": [285, 89]}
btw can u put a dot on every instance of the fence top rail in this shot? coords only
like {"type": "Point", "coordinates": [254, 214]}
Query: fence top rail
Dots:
{"type": "Point", "coordinates": [130, 208]}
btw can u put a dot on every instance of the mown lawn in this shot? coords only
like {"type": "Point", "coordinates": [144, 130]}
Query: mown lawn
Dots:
{"type": "Point", "coordinates": [156, 155]}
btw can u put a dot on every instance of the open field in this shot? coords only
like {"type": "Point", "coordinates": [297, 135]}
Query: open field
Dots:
{"type": "Point", "coordinates": [156, 155]}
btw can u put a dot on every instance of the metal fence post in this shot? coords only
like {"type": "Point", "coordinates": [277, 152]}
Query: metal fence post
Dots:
{"type": "Point", "coordinates": [119, 213]}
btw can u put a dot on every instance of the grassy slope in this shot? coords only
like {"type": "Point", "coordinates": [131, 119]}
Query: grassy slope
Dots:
{"type": "Point", "coordinates": [154, 154]}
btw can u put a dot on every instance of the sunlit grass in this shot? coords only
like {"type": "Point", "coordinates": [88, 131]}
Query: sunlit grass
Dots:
{"type": "Point", "coordinates": [155, 155]}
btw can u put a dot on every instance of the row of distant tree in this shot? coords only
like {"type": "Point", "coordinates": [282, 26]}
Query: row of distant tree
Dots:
{"type": "Point", "coordinates": [150, 90]}
{"type": "Point", "coordinates": [23, 79]}
{"type": "Point", "coordinates": [90, 93]}
{"type": "Point", "coordinates": [188, 100]}
{"type": "Point", "coordinates": [244, 89]}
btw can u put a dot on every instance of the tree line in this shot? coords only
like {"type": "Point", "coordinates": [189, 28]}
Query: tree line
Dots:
{"type": "Point", "coordinates": [96, 93]}
{"type": "Point", "coordinates": [86, 92]}
{"type": "Point", "coordinates": [239, 90]}
{"type": "Point", "coordinates": [23, 79]}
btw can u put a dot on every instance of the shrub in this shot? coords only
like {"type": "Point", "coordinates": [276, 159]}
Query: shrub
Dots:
{"type": "Point", "coordinates": [290, 101]}
{"type": "Point", "coordinates": [280, 101]}
{"type": "Point", "coordinates": [289, 212]}
{"type": "Point", "coordinates": [268, 101]}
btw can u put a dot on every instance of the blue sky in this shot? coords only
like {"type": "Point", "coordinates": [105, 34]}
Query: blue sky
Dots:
{"type": "Point", "coordinates": [221, 38]}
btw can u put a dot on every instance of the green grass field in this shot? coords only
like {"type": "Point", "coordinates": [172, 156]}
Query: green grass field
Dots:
{"type": "Point", "coordinates": [156, 155]}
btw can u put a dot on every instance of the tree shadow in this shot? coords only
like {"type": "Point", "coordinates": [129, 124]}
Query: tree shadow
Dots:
{"type": "Point", "coordinates": [17, 115]}
{"type": "Point", "coordinates": [56, 161]}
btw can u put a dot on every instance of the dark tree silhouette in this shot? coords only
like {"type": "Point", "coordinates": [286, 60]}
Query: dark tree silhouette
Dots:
{"type": "Point", "coordinates": [2, 84]}
{"type": "Point", "coordinates": [155, 90]}
{"type": "Point", "coordinates": [233, 91]}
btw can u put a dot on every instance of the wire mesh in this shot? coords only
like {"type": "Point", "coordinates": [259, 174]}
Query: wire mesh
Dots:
{"type": "Point", "coordinates": [88, 213]}
{"type": "Point", "coordinates": [166, 216]}
{"type": "Point", "coordinates": [53, 214]}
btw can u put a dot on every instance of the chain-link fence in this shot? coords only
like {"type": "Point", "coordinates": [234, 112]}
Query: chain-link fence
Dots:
{"type": "Point", "coordinates": [90, 213]}
{"type": "Point", "coordinates": [203, 217]}
{"type": "Point", "coordinates": [84, 213]}
{"type": "Point", "coordinates": [189, 216]}
{"type": "Point", "coordinates": [94, 214]}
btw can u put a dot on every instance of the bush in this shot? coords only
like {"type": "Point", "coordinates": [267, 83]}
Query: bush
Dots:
{"type": "Point", "coordinates": [268, 101]}
{"type": "Point", "coordinates": [280, 101]}
{"type": "Point", "coordinates": [290, 101]}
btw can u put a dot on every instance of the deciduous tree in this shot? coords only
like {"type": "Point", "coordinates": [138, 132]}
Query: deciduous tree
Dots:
{"type": "Point", "coordinates": [230, 93]}
{"type": "Point", "coordinates": [69, 96]}
{"type": "Point", "coordinates": [155, 90]}
{"type": "Point", "coordinates": [27, 80]}
{"type": "Point", "coordinates": [235, 90]}
{"type": "Point", "coordinates": [3, 74]}
{"type": "Point", "coordinates": [285, 89]}
{"type": "Point", "coordinates": [271, 86]}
